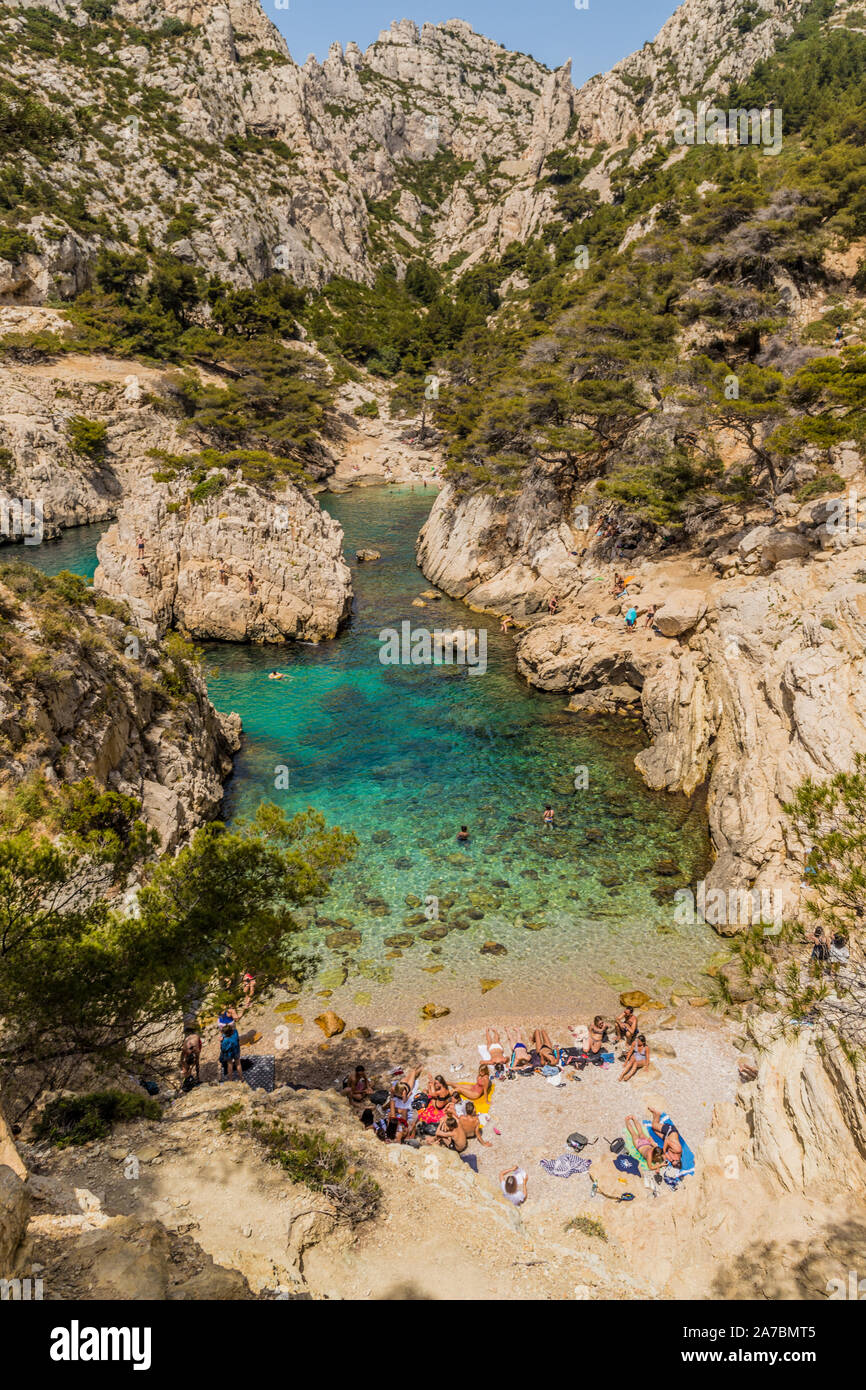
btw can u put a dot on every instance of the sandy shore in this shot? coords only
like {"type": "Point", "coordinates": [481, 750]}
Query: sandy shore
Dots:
{"type": "Point", "coordinates": [693, 1068]}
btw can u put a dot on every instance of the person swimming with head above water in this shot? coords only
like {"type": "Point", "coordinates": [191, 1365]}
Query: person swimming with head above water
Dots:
{"type": "Point", "coordinates": [277, 676]}
{"type": "Point", "coordinates": [463, 834]}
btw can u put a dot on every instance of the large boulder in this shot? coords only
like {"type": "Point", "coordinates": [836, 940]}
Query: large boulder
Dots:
{"type": "Point", "coordinates": [783, 545]}
{"type": "Point", "coordinates": [682, 611]}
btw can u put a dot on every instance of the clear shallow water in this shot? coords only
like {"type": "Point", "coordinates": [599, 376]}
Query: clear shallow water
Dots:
{"type": "Point", "coordinates": [404, 755]}
{"type": "Point", "coordinates": [75, 551]}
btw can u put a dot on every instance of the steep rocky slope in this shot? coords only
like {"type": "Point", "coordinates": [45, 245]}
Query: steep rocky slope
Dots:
{"type": "Point", "coordinates": [82, 694]}
{"type": "Point", "coordinates": [211, 141]}
{"type": "Point", "coordinates": [227, 560]}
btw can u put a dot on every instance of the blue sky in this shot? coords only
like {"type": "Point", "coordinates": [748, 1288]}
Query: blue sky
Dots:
{"type": "Point", "coordinates": [551, 30]}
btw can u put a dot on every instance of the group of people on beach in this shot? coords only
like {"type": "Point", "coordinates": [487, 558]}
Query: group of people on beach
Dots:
{"type": "Point", "coordinates": [454, 1113]}
{"type": "Point", "coordinates": [448, 1114]}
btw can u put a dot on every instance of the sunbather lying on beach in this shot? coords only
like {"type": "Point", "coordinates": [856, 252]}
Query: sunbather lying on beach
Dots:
{"type": "Point", "coordinates": [636, 1058]}
{"type": "Point", "coordinates": [521, 1059]}
{"type": "Point", "coordinates": [544, 1047]}
{"type": "Point", "coordinates": [477, 1089]}
{"type": "Point", "coordinates": [498, 1055]}
{"type": "Point", "coordinates": [644, 1145]}
{"type": "Point", "coordinates": [672, 1150]}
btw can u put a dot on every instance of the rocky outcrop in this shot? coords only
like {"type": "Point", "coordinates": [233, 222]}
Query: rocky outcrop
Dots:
{"type": "Point", "coordinates": [793, 1145]}
{"type": "Point", "coordinates": [82, 694]}
{"type": "Point", "coordinates": [14, 1211]}
{"type": "Point", "coordinates": [693, 54]}
{"type": "Point", "coordinates": [749, 682]}
{"type": "Point", "coordinates": [281, 163]}
{"type": "Point", "coordinates": [241, 564]}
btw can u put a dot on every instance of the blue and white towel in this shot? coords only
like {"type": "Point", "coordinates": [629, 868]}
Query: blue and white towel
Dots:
{"type": "Point", "coordinates": [566, 1165]}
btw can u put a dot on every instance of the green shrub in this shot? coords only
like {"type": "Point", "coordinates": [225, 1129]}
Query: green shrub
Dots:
{"type": "Point", "coordinates": [78, 1119]}
{"type": "Point", "coordinates": [367, 410]}
{"type": "Point", "coordinates": [88, 437]}
{"type": "Point", "coordinates": [322, 1164]}
{"type": "Point", "coordinates": [14, 244]}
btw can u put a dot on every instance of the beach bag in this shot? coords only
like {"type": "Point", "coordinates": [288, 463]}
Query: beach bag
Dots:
{"type": "Point", "coordinates": [578, 1141]}
{"type": "Point", "coordinates": [616, 1145]}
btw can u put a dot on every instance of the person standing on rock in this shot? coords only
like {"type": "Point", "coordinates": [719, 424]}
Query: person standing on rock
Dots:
{"type": "Point", "coordinates": [230, 1055]}
{"type": "Point", "coordinates": [190, 1055]}
{"type": "Point", "coordinates": [251, 583]}
{"type": "Point", "coordinates": [224, 574]}
{"type": "Point", "coordinates": [140, 544]}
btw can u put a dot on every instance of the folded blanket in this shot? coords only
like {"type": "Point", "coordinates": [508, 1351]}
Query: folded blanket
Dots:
{"type": "Point", "coordinates": [483, 1052]}
{"type": "Point", "coordinates": [566, 1165]}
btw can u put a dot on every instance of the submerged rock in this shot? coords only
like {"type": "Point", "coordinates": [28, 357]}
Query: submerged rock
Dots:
{"type": "Point", "coordinates": [331, 1024]}
{"type": "Point", "coordinates": [429, 1011]}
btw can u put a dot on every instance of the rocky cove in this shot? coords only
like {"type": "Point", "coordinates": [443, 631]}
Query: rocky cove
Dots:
{"type": "Point", "coordinates": [422, 338]}
{"type": "Point", "coordinates": [748, 679]}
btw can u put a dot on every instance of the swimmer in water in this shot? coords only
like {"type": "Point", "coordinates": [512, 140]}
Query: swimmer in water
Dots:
{"type": "Point", "coordinates": [276, 676]}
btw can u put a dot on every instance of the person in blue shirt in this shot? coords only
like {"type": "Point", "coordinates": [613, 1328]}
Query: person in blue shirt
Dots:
{"type": "Point", "coordinates": [631, 618]}
{"type": "Point", "coordinates": [230, 1055]}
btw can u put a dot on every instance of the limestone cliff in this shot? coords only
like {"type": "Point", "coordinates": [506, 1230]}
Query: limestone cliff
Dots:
{"type": "Point", "coordinates": [228, 561]}
{"type": "Point", "coordinates": [83, 695]}
{"type": "Point", "coordinates": [214, 143]}
{"type": "Point", "coordinates": [237, 159]}
{"type": "Point", "coordinates": [750, 679]}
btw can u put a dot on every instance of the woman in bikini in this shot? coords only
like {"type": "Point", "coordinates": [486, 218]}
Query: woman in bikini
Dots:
{"type": "Point", "coordinates": [440, 1093]}
{"type": "Point", "coordinates": [636, 1058]}
{"type": "Point", "coordinates": [544, 1047]}
{"type": "Point", "coordinates": [498, 1056]}
{"type": "Point", "coordinates": [644, 1145]}
{"type": "Point", "coordinates": [358, 1087]}
{"type": "Point", "coordinates": [597, 1034]}
{"type": "Point", "coordinates": [476, 1090]}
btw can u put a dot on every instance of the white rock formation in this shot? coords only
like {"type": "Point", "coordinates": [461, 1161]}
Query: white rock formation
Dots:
{"type": "Point", "coordinates": [198, 557]}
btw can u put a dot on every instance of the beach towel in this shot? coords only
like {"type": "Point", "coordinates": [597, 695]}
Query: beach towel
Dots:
{"type": "Point", "coordinates": [672, 1175]}
{"type": "Point", "coordinates": [260, 1073]}
{"type": "Point", "coordinates": [484, 1052]}
{"type": "Point", "coordinates": [580, 1033]}
{"type": "Point", "coordinates": [482, 1107]}
{"type": "Point", "coordinates": [627, 1164]}
{"type": "Point", "coordinates": [471, 1160]}
{"type": "Point", "coordinates": [566, 1165]}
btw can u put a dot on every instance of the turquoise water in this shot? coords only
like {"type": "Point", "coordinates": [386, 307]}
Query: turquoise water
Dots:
{"type": "Point", "coordinates": [403, 755]}
{"type": "Point", "coordinates": [75, 551]}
